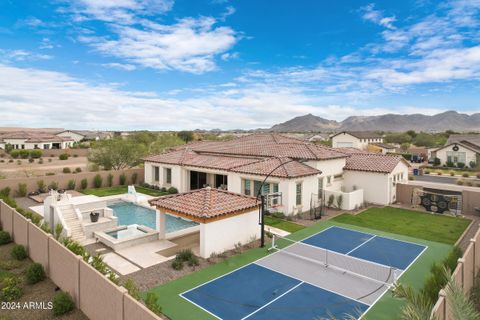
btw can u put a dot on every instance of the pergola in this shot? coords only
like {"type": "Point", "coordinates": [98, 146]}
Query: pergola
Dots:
{"type": "Point", "coordinates": [225, 218]}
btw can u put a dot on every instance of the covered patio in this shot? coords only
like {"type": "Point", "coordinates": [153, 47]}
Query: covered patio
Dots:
{"type": "Point", "coordinates": [225, 218]}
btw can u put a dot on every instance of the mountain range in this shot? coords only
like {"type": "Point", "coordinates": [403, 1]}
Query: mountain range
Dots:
{"type": "Point", "coordinates": [449, 120]}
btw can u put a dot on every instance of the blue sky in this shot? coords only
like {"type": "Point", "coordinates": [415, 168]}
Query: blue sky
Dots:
{"type": "Point", "coordinates": [166, 64]}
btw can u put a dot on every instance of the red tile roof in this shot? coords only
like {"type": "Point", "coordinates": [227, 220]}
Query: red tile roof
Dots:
{"type": "Point", "coordinates": [206, 203]}
{"type": "Point", "coordinates": [373, 162]}
{"type": "Point", "coordinates": [289, 169]}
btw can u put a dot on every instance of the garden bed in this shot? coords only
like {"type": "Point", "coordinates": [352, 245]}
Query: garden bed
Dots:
{"type": "Point", "coordinates": [41, 292]}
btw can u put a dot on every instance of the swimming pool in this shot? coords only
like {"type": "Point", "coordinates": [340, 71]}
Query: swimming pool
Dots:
{"type": "Point", "coordinates": [129, 213]}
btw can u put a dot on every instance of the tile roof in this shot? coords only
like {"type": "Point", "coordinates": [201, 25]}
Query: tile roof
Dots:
{"type": "Point", "coordinates": [206, 203]}
{"type": "Point", "coordinates": [471, 138]}
{"type": "Point", "coordinates": [289, 169]}
{"type": "Point", "coordinates": [259, 166]}
{"type": "Point", "coordinates": [361, 134]}
{"type": "Point", "coordinates": [270, 145]}
{"type": "Point", "coordinates": [466, 144]}
{"type": "Point", "coordinates": [34, 136]}
{"type": "Point", "coordinates": [373, 162]}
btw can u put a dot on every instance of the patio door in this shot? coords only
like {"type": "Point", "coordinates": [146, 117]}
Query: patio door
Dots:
{"type": "Point", "coordinates": [197, 180]}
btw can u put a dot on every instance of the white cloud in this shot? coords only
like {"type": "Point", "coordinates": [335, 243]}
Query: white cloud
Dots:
{"type": "Point", "coordinates": [119, 11]}
{"type": "Point", "coordinates": [32, 97]}
{"type": "Point", "coordinates": [376, 16]}
{"type": "Point", "coordinates": [7, 56]}
{"type": "Point", "coordinates": [119, 66]}
{"type": "Point", "coordinates": [190, 45]}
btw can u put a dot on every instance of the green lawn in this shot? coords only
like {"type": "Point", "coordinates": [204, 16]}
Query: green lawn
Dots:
{"type": "Point", "coordinates": [110, 191]}
{"type": "Point", "coordinates": [444, 229]}
{"type": "Point", "coordinates": [283, 224]}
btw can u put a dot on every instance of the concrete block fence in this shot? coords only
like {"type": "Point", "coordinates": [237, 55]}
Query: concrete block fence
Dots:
{"type": "Point", "coordinates": [93, 293]}
{"type": "Point", "coordinates": [464, 274]}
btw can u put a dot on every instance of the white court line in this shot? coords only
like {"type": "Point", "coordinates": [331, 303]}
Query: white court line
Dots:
{"type": "Point", "coordinates": [209, 312]}
{"type": "Point", "coordinates": [401, 274]}
{"type": "Point", "coordinates": [359, 246]}
{"type": "Point", "coordinates": [267, 304]}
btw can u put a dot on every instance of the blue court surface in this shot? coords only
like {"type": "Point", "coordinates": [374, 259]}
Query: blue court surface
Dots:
{"type": "Point", "coordinates": [261, 292]}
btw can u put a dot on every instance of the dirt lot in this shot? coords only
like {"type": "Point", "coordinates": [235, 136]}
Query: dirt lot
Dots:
{"type": "Point", "coordinates": [39, 292]}
{"type": "Point", "coordinates": [36, 169]}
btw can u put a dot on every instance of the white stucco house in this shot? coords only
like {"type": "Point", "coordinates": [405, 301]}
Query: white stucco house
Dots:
{"type": "Point", "coordinates": [80, 135]}
{"type": "Point", "coordinates": [301, 171]}
{"type": "Point", "coordinates": [225, 218]}
{"type": "Point", "coordinates": [359, 140]}
{"type": "Point", "coordinates": [34, 140]}
{"type": "Point", "coordinates": [458, 152]}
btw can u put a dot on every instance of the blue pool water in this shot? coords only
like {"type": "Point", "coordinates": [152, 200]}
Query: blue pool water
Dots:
{"type": "Point", "coordinates": [129, 213]}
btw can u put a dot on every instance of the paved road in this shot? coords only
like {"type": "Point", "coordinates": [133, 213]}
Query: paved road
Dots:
{"type": "Point", "coordinates": [437, 179]}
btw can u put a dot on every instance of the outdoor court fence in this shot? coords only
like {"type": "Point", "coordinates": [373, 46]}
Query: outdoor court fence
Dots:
{"type": "Point", "coordinates": [464, 274]}
{"type": "Point", "coordinates": [93, 293]}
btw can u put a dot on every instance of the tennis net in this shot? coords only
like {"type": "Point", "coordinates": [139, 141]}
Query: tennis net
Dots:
{"type": "Point", "coordinates": [382, 274]}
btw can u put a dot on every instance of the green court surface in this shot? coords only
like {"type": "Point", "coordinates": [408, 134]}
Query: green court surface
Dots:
{"type": "Point", "coordinates": [175, 307]}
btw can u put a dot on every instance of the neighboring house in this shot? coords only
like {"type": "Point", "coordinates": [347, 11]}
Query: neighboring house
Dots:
{"type": "Point", "coordinates": [78, 135]}
{"type": "Point", "coordinates": [461, 152]}
{"type": "Point", "coordinates": [382, 148]}
{"type": "Point", "coordinates": [359, 140]}
{"type": "Point", "coordinates": [34, 140]}
{"type": "Point", "coordinates": [301, 171]}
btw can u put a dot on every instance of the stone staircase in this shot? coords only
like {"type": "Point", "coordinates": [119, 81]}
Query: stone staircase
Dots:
{"type": "Point", "coordinates": [72, 222]}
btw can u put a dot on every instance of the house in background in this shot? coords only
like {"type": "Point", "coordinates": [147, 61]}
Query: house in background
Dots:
{"type": "Point", "coordinates": [359, 140]}
{"type": "Point", "coordinates": [302, 172]}
{"type": "Point", "coordinates": [382, 148]}
{"type": "Point", "coordinates": [82, 135]}
{"type": "Point", "coordinates": [463, 151]}
{"type": "Point", "coordinates": [34, 140]}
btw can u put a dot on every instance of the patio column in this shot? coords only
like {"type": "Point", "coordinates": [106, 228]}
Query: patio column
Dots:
{"type": "Point", "coordinates": [161, 221]}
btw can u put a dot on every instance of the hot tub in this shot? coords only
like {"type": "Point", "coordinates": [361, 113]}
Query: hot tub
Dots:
{"type": "Point", "coordinates": [126, 236]}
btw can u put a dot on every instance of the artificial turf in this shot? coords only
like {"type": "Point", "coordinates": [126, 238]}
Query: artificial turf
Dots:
{"type": "Point", "coordinates": [438, 228]}
{"type": "Point", "coordinates": [175, 307]}
{"type": "Point", "coordinates": [110, 191]}
{"type": "Point", "coordinates": [283, 224]}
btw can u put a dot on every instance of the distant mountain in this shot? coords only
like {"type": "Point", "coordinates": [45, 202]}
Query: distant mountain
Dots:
{"type": "Point", "coordinates": [450, 120]}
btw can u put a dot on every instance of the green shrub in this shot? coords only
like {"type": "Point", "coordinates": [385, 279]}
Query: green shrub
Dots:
{"type": "Point", "coordinates": [24, 154]}
{"type": "Point", "coordinates": [460, 182]}
{"type": "Point", "coordinates": [62, 303]}
{"type": "Point", "coordinates": [22, 190]}
{"type": "Point", "coordinates": [172, 190]}
{"type": "Point", "coordinates": [19, 162]}
{"type": "Point", "coordinates": [18, 252]}
{"type": "Point", "coordinates": [122, 179]}
{"type": "Point", "coordinates": [5, 237]}
{"type": "Point", "coordinates": [132, 288]}
{"type": "Point", "coordinates": [35, 154]}
{"type": "Point", "coordinates": [177, 264]}
{"type": "Point", "coordinates": [460, 165]}
{"type": "Point", "coordinates": [9, 264]}
{"type": "Point", "coordinates": [31, 160]}
{"type": "Point", "coordinates": [151, 303]}
{"type": "Point", "coordinates": [53, 185]}
{"type": "Point", "coordinates": [339, 201]}
{"type": "Point", "coordinates": [478, 175]}
{"type": "Point", "coordinates": [78, 169]}
{"type": "Point", "coordinates": [35, 273]}
{"type": "Point", "coordinates": [71, 185]}
{"type": "Point", "coordinates": [97, 181]}
{"type": "Point", "coordinates": [331, 199]}
{"type": "Point", "coordinates": [41, 186]}
{"type": "Point", "coordinates": [58, 230]}
{"type": "Point", "coordinates": [279, 215]}
{"type": "Point", "coordinates": [475, 292]}
{"type": "Point", "coordinates": [451, 260]}
{"type": "Point", "coordinates": [5, 192]}
{"type": "Point", "coordinates": [40, 161]}
{"type": "Point", "coordinates": [110, 180]}
{"type": "Point", "coordinates": [63, 156]}
{"type": "Point", "coordinates": [67, 170]}
{"type": "Point", "coordinates": [50, 173]}
{"type": "Point", "coordinates": [83, 184]}
{"type": "Point", "coordinates": [15, 153]}
{"type": "Point", "coordinates": [465, 175]}
{"type": "Point", "coordinates": [134, 177]}
{"type": "Point", "coordinates": [193, 261]}
{"type": "Point", "coordinates": [452, 173]}
{"type": "Point", "coordinates": [11, 290]}
{"type": "Point", "coordinates": [436, 161]}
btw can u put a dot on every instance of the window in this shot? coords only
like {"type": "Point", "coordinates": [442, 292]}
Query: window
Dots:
{"type": "Point", "coordinates": [320, 188]}
{"type": "Point", "coordinates": [156, 173]}
{"type": "Point", "coordinates": [338, 176]}
{"type": "Point", "coordinates": [35, 146]}
{"type": "Point", "coordinates": [298, 193]}
{"type": "Point", "coordinates": [46, 146]}
{"type": "Point", "coordinates": [246, 187]}
{"type": "Point", "coordinates": [168, 175]}
{"type": "Point", "coordinates": [456, 157]}
{"type": "Point", "coordinates": [329, 180]}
